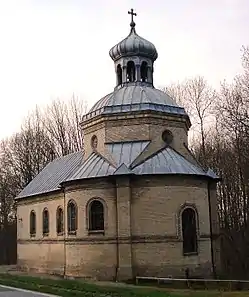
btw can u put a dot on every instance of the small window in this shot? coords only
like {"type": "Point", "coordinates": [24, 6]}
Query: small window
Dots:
{"type": "Point", "coordinates": [94, 142]}
{"type": "Point", "coordinates": [119, 74]}
{"type": "Point", "coordinates": [32, 223]}
{"type": "Point", "coordinates": [144, 72]}
{"type": "Point", "coordinates": [59, 220]}
{"type": "Point", "coordinates": [45, 222]}
{"type": "Point", "coordinates": [131, 71]}
{"type": "Point", "coordinates": [167, 137]}
{"type": "Point", "coordinates": [189, 231]}
{"type": "Point", "coordinates": [72, 217]}
{"type": "Point", "coordinates": [96, 216]}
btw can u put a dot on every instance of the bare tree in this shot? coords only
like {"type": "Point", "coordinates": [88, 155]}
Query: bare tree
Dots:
{"type": "Point", "coordinates": [61, 122]}
{"type": "Point", "coordinates": [198, 98]}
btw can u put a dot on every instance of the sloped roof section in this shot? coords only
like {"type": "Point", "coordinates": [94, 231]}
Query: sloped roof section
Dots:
{"type": "Point", "coordinates": [137, 97]}
{"type": "Point", "coordinates": [53, 174]}
{"type": "Point", "coordinates": [72, 167]}
{"type": "Point", "coordinates": [168, 161]}
{"type": "Point", "coordinates": [122, 170]}
{"type": "Point", "coordinates": [126, 152]}
{"type": "Point", "coordinates": [94, 166]}
{"type": "Point", "coordinates": [212, 174]}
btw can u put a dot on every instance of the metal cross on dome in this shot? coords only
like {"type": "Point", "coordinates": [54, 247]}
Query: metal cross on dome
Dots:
{"type": "Point", "coordinates": [132, 24]}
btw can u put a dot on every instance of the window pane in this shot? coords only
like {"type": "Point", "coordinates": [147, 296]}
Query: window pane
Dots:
{"type": "Point", "coordinates": [96, 216]}
{"type": "Point", "coordinates": [32, 223]}
{"type": "Point", "coordinates": [59, 220]}
{"type": "Point", "coordinates": [45, 222]}
{"type": "Point", "coordinates": [189, 231]}
{"type": "Point", "coordinates": [72, 216]}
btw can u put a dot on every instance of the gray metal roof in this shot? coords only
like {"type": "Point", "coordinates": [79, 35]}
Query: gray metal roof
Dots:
{"type": "Point", "coordinates": [168, 161]}
{"type": "Point", "coordinates": [72, 167]}
{"type": "Point", "coordinates": [126, 152]}
{"type": "Point", "coordinates": [211, 174]}
{"type": "Point", "coordinates": [122, 170]}
{"type": "Point", "coordinates": [133, 44]}
{"type": "Point", "coordinates": [135, 97]}
{"type": "Point", "coordinates": [53, 174]}
{"type": "Point", "coordinates": [94, 166]}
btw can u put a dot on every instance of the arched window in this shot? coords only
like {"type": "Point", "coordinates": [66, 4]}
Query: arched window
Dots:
{"type": "Point", "coordinates": [32, 223]}
{"type": "Point", "coordinates": [130, 71]}
{"type": "Point", "coordinates": [189, 231]}
{"type": "Point", "coordinates": [45, 222]}
{"type": "Point", "coordinates": [59, 220]}
{"type": "Point", "coordinates": [144, 71]}
{"type": "Point", "coordinates": [96, 216]}
{"type": "Point", "coordinates": [71, 217]}
{"type": "Point", "coordinates": [94, 142]}
{"type": "Point", "coordinates": [119, 74]}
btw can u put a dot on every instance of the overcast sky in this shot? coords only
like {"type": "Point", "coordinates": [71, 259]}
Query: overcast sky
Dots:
{"type": "Point", "coordinates": [54, 48]}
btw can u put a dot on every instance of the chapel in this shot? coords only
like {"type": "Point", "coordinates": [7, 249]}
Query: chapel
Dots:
{"type": "Point", "coordinates": [135, 202]}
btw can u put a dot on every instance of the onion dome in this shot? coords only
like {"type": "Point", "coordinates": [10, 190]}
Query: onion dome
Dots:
{"type": "Point", "coordinates": [133, 45]}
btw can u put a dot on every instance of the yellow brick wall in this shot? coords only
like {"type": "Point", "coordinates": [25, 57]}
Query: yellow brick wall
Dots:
{"type": "Point", "coordinates": [41, 256]}
{"type": "Point", "coordinates": [92, 260]}
{"type": "Point", "coordinates": [165, 259]}
{"type": "Point", "coordinates": [179, 135]}
{"type": "Point", "coordinates": [40, 253]}
{"type": "Point", "coordinates": [134, 129]}
{"type": "Point", "coordinates": [128, 132]}
{"type": "Point", "coordinates": [100, 133]}
{"type": "Point", "coordinates": [155, 204]}
{"type": "Point", "coordinates": [52, 202]}
{"type": "Point", "coordinates": [97, 189]}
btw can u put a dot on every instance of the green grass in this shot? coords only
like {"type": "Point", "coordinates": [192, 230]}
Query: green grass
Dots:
{"type": "Point", "coordinates": [69, 288]}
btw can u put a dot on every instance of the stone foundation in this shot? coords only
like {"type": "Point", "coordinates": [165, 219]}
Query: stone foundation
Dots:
{"type": "Point", "coordinates": [113, 274]}
{"type": "Point", "coordinates": [203, 271]}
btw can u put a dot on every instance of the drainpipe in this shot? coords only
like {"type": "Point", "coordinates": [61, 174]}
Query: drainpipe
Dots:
{"type": "Point", "coordinates": [211, 230]}
{"type": "Point", "coordinates": [117, 237]}
{"type": "Point", "coordinates": [64, 233]}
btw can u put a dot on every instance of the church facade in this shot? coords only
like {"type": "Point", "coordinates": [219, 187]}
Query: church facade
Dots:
{"type": "Point", "coordinates": [135, 202]}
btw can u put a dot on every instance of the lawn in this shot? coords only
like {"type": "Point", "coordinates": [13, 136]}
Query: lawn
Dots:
{"type": "Point", "coordinates": [70, 288]}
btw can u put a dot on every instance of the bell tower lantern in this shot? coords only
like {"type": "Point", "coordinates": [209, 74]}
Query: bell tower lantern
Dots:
{"type": "Point", "coordinates": [133, 58]}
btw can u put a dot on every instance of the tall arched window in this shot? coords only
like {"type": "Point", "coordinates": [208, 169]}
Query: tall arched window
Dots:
{"type": "Point", "coordinates": [119, 74]}
{"type": "Point", "coordinates": [71, 217]}
{"type": "Point", "coordinates": [32, 223]}
{"type": "Point", "coordinates": [59, 220]}
{"type": "Point", "coordinates": [144, 71]}
{"type": "Point", "coordinates": [131, 71]}
{"type": "Point", "coordinates": [96, 216]}
{"type": "Point", "coordinates": [45, 222]}
{"type": "Point", "coordinates": [189, 231]}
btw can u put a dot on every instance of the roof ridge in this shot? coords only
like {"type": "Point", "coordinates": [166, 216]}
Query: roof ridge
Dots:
{"type": "Point", "coordinates": [192, 155]}
{"type": "Point", "coordinates": [148, 157]}
{"type": "Point", "coordinates": [126, 141]}
{"type": "Point", "coordinates": [101, 156]}
{"type": "Point", "coordinates": [161, 150]}
{"type": "Point", "coordinates": [122, 170]}
{"type": "Point", "coordinates": [196, 165]}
